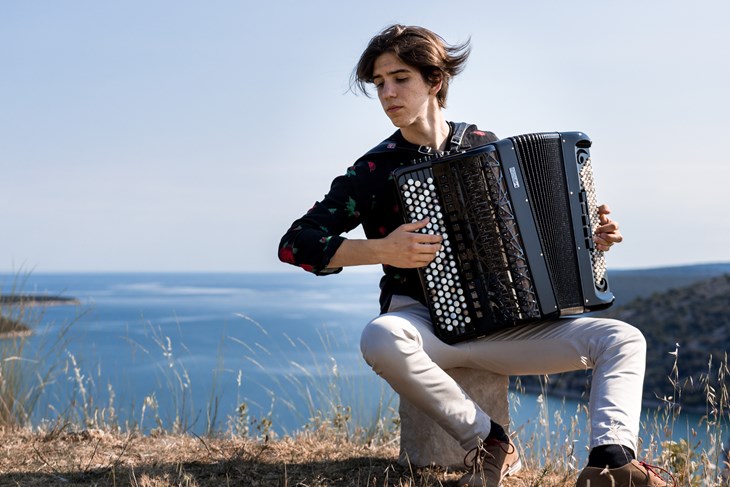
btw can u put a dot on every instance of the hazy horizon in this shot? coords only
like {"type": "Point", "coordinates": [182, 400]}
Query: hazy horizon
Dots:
{"type": "Point", "coordinates": [288, 270]}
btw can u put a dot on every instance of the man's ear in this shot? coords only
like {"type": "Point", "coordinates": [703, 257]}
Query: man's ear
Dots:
{"type": "Point", "coordinates": [436, 87]}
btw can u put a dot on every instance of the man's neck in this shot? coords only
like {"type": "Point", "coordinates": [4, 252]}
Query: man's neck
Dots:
{"type": "Point", "coordinates": [432, 133]}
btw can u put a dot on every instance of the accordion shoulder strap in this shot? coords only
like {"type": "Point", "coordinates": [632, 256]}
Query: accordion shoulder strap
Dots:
{"type": "Point", "coordinates": [458, 141]}
{"type": "Point", "coordinates": [457, 138]}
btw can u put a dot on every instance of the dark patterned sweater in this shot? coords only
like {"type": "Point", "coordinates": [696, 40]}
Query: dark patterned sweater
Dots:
{"type": "Point", "coordinates": [365, 195]}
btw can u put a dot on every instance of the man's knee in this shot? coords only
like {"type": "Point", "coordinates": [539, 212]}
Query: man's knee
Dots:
{"type": "Point", "coordinates": [386, 338]}
{"type": "Point", "coordinates": [628, 337]}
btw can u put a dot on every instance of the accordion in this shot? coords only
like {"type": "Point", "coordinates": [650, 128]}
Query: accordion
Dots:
{"type": "Point", "coordinates": [517, 218]}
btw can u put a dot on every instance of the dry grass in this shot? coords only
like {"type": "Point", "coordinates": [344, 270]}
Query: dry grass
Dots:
{"type": "Point", "coordinates": [97, 457]}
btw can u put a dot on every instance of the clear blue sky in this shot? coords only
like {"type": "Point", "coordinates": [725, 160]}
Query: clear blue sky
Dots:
{"type": "Point", "coordinates": [186, 136]}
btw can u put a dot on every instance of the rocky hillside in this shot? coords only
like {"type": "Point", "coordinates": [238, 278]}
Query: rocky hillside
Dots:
{"type": "Point", "coordinates": [694, 322]}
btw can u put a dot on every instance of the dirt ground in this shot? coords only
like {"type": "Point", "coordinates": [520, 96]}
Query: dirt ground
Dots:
{"type": "Point", "coordinates": [100, 458]}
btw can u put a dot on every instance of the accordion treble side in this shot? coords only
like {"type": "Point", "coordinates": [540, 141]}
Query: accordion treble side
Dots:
{"type": "Point", "coordinates": [517, 218]}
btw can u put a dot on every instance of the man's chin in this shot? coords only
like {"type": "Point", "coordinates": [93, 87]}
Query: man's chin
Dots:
{"type": "Point", "coordinates": [397, 122]}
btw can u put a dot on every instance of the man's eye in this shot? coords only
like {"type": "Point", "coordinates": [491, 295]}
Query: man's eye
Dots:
{"type": "Point", "coordinates": [401, 80]}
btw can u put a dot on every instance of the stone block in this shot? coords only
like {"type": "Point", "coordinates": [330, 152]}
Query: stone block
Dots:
{"type": "Point", "coordinates": [423, 442]}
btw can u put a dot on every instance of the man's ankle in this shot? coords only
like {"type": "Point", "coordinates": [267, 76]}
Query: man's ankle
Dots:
{"type": "Point", "coordinates": [611, 456]}
{"type": "Point", "coordinates": [497, 433]}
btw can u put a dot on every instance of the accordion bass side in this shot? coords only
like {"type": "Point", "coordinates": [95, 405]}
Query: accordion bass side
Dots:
{"type": "Point", "coordinates": [517, 218]}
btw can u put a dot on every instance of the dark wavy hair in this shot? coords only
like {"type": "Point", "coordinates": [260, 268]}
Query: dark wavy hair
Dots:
{"type": "Point", "coordinates": [418, 47]}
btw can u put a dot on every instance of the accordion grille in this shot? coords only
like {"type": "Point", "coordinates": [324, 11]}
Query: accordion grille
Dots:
{"type": "Point", "coordinates": [499, 250]}
{"type": "Point", "coordinates": [541, 160]}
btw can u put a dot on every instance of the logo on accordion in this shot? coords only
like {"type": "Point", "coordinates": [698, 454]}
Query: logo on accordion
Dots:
{"type": "Point", "coordinates": [515, 181]}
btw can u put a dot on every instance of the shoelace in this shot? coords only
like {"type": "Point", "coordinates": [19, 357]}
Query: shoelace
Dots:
{"type": "Point", "coordinates": [480, 451]}
{"type": "Point", "coordinates": [651, 468]}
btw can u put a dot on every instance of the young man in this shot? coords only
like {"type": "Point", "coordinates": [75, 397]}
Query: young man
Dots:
{"type": "Point", "coordinates": [411, 67]}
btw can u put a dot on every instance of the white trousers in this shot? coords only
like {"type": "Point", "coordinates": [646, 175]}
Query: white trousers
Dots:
{"type": "Point", "coordinates": [401, 347]}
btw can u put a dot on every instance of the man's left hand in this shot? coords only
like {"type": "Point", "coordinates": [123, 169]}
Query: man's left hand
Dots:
{"type": "Point", "coordinates": [607, 233]}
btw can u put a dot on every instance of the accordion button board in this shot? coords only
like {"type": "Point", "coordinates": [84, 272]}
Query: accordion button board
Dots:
{"type": "Point", "coordinates": [441, 277]}
{"type": "Point", "coordinates": [517, 218]}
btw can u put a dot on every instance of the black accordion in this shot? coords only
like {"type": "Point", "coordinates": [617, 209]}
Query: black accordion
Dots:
{"type": "Point", "coordinates": [517, 218]}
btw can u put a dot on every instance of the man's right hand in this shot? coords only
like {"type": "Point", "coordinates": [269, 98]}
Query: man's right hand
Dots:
{"type": "Point", "coordinates": [408, 248]}
{"type": "Point", "coordinates": [405, 247]}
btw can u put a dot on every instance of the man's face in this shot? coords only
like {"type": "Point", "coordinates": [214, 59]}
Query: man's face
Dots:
{"type": "Point", "coordinates": [405, 96]}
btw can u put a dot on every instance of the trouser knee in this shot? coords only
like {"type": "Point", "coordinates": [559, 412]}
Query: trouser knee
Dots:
{"type": "Point", "coordinates": [632, 338]}
{"type": "Point", "coordinates": [624, 339]}
{"type": "Point", "coordinates": [386, 341]}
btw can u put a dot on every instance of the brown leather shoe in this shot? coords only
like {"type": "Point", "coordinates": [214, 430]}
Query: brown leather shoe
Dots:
{"type": "Point", "coordinates": [493, 460]}
{"type": "Point", "coordinates": [634, 474]}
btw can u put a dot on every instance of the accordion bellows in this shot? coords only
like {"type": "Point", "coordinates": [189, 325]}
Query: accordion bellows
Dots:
{"type": "Point", "coordinates": [517, 217]}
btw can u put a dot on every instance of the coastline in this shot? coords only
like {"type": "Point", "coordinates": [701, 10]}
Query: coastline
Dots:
{"type": "Point", "coordinates": [10, 328]}
{"type": "Point", "coordinates": [37, 300]}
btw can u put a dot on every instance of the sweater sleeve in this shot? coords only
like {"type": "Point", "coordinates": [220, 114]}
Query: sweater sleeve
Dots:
{"type": "Point", "coordinates": [313, 239]}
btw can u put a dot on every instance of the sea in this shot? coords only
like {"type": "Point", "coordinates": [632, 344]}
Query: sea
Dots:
{"type": "Point", "coordinates": [254, 353]}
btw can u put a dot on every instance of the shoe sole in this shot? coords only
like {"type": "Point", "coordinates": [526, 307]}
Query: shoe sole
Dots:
{"type": "Point", "coordinates": [514, 468]}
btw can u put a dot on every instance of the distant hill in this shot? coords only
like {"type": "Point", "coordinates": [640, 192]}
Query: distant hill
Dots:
{"type": "Point", "coordinates": [684, 306]}
{"type": "Point", "coordinates": [694, 317]}
{"type": "Point", "coordinates": [628, 285]}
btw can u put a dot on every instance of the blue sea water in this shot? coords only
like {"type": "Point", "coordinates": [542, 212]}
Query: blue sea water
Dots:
{"type": "Point", "coordinates": [163, 349]}
{"type": "Point", "coordinates": [194, 341]}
